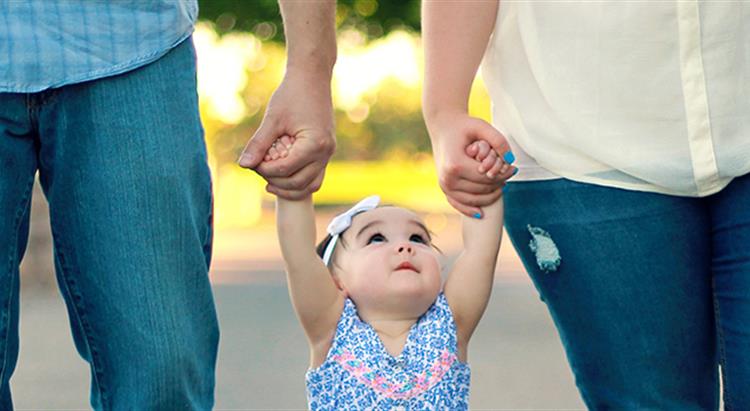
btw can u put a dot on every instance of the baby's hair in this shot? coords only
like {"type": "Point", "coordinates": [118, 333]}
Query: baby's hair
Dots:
{"type": "Point", "coordinates": [320, 249]}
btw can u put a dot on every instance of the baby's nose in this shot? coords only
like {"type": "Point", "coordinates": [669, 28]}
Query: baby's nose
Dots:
{"type": "Point", "coordinates": [405, 248]}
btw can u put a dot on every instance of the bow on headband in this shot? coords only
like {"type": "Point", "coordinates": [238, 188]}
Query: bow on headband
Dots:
{"type": "Point", "coordinates": [344, 220]}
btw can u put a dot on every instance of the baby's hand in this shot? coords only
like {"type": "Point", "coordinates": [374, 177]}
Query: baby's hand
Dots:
{"type": "Point", "coordinates": [279, 149]}
{"type": "Point", "coordinates": [489, 162]}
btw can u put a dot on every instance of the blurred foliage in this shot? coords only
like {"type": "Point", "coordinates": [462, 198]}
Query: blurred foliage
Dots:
{"type": "Point", "coordinates": [261, 17]}
{"type": "Point", "coordinates": [382, 142]}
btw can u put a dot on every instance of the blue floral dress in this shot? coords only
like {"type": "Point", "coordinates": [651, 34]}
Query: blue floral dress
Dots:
{"type": "Point", "coordinates": [359, 374]}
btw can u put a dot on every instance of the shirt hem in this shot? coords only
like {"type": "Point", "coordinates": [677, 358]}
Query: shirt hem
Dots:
{"type": "Point", "coordinates": [634, 187]}
{"type": "Point", "coordinates": [121, 68]}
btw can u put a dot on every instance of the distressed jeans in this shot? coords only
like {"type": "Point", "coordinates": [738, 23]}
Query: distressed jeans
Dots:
{"type": "Point", "coordinates": [122, 163]}
{"type": "Point", "coordinates": [649, 292]}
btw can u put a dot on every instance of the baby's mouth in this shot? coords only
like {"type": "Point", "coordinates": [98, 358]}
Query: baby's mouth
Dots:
{"type": "Point", "coordinates": [407, 266]}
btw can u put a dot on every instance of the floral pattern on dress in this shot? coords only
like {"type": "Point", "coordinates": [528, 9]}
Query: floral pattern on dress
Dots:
{"type": "Point", "coordinates": [359, 374]}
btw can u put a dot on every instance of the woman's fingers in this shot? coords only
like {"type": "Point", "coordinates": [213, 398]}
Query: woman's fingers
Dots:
{"type": "Point", "coordinates": [469, 211]}
{"type": "Point", "coordinates": [470, 187]}
{"type": "Point", "coordinates": [476, 200]}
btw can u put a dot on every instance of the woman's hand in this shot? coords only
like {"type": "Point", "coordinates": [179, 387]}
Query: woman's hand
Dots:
{"type": "Point", "coordinates": [468, 184]}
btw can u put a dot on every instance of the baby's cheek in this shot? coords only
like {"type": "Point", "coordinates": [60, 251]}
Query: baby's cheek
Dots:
{"type": "Point", "coordinates": [361, 279]}
{"type": "Point", "coordinates": [367, 291]}
{"type": "Point", "coordinates": [435, 270]}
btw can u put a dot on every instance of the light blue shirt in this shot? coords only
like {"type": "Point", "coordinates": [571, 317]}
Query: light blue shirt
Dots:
{"type": "Point", "coordinates": [51, 43]}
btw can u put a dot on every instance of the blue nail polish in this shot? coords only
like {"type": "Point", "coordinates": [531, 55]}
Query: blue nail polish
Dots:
{"type": "Point", "coordinates": [477, 216]}
{"type": "Point", "coordinates": [505, 189]}
{"type": "Point", "coordinates": [508, 157]}
{"type": "Point", "coordinates": [515, 171]}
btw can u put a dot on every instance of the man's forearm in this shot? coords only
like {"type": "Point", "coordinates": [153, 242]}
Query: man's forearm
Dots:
{"type": "Point", "coordinates": [455, 35]}
{"type": "Point", "coordinates": [310, 30]}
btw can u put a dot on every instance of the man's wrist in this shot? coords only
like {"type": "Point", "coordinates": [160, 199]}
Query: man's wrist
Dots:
{"type": "Point", "coordinates": [313, 61]}
{"type": "Point", "coordinates": [313, 72]}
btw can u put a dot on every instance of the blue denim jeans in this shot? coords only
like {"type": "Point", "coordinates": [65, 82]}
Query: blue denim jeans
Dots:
{"type": "Point", "coordinates": [649, 292]}
{"type": "Point", "coordinates": [122, 163]}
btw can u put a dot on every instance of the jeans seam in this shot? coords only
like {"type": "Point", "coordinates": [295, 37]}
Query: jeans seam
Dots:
{"type": "Point", "coordinates": [208, 240]}
{"type": "Point", "coordinates": [69, 285]}
{"type": "Point", "coordinates": [11, 260]}
{"type": "Point", "coordinates": [722, 349]}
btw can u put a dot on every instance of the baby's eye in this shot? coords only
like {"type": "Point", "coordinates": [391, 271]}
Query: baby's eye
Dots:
{"type": "Point", "coordinates": [417, 239]}
{"type": "Point", "coordinates": [376, 238]}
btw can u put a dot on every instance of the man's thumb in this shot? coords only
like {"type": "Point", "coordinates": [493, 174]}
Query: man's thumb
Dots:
{"type": "Point", "coordinates": [257, 147]}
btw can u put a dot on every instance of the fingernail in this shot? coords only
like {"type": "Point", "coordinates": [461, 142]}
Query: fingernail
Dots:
{"type": "Point", "coordinates": [515, 172]}
{"type": "Point", "coordinates": [508, 157]}
{"type": "Point", "coordinates": [505, 189]}
{"type": "Point", "coordinates": [477, 216]}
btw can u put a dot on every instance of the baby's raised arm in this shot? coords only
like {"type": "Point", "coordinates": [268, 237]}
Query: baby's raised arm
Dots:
{"type": "Point", "coordinates": [315, 297]}
{"type": "Point", "coordinates": [469, 283]}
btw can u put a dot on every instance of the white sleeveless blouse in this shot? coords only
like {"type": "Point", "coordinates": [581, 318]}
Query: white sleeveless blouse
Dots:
{"type": "Point", "coordinates": [650, 96]}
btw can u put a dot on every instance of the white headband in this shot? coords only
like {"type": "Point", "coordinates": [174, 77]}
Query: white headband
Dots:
{"type": "Point", "coordinates": [343, 221]}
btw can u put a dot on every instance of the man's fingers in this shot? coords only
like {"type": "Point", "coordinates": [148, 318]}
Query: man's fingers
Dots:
{"type": "Point", "coordinates": [299, 180]}
{"type": "Point", "coordinates": [256, 148]}
{"type": "Point", "coordinates": [297, 194]}
{"type": "Point", "coordinates": [287, 194]}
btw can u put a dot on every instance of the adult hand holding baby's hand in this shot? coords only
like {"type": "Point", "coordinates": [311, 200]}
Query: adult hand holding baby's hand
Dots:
{"type": "Point", "coordinates": [301, 108]}
{"type": "Point", "coordinates": [468, 187]}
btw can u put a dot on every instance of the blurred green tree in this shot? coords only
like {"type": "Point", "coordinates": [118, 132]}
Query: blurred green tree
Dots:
{"type": "Point", "coordinates": [375, 18]}
{"type": "Point", "coordinates": [376, 88]}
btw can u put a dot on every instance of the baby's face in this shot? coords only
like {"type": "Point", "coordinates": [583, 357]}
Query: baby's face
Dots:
{"type": "Point", "coordinates": [388, 261]}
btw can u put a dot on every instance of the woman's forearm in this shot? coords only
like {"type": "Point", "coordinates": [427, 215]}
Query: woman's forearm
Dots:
{"type": "Point", "coordinates": [455, 35]}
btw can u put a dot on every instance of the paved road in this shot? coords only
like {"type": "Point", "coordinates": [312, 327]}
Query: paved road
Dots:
{"type": "Point", "coordinates": [516, 358]}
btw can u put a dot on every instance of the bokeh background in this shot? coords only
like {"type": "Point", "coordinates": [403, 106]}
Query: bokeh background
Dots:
{"type": "Point", "coordinates": [383, 148]}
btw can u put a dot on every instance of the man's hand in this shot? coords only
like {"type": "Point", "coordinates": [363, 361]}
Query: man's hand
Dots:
{"type": "Point", "coordinates": [300, 108]}
{"type": "Point", "coordinates": [468, 187]}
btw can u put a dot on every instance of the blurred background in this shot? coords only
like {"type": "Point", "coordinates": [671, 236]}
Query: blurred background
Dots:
{"type": "Point", "coordinates": [383, 148]}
